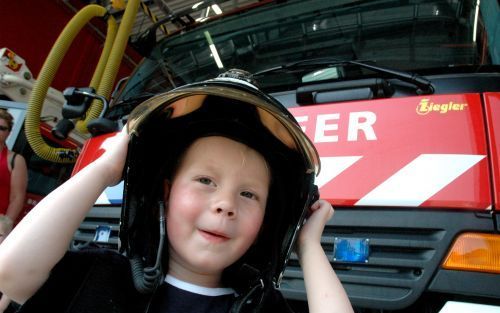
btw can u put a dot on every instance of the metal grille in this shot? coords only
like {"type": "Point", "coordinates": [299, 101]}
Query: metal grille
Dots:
{"type": "Point", "coordinates": [406, 250]}
{"type": "Point", "coordinates": [98, 216]}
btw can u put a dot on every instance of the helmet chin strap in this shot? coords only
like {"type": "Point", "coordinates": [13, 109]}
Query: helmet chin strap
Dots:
{"type": "Point", "coordinates": [146, 279]}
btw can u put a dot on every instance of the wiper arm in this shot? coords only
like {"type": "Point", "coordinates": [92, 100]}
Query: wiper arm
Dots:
{"type": "Point", "coordinates": [424, 85]}
{"type": "Point", "coordinates": [140, 97]}
{"type": "Point", "coordinates": [299, 64]}
{"type": "Point", "coordinates": [125, 106]}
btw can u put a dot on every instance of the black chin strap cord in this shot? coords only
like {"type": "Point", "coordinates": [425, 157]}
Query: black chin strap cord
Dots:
{"type": "Point", "coordinates": [146, 279]}
{"type": "Point", "coordinates": [247, 299]}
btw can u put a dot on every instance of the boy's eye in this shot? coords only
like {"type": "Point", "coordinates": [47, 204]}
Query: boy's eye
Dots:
{"type": "Point", "coordinates": [248, 194]}
{"type": "Point", "coordinates": [205, 180]}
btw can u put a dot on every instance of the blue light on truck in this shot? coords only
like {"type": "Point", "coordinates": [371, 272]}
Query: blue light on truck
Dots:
{"type": "Point", "coordinates": [351, 250]}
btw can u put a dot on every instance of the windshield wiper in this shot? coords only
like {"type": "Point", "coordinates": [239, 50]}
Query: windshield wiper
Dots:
{"type": "Point", "coordinates": [125, 106]}
{"type": "Point", "coordinates": [424, 86]}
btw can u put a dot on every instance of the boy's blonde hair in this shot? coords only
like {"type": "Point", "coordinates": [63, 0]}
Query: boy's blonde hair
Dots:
{"type": "Point", "coordinates": [6, 222]}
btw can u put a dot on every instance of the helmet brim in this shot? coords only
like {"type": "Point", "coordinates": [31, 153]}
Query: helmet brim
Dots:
{"type": "Point", "coordinates": [188, 99]}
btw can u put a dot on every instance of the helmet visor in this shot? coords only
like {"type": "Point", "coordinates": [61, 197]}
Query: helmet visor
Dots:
{"type": "Point", "coordinates": [273, 115]}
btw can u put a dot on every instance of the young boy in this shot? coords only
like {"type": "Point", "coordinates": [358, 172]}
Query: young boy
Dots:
{"type": "Point", "coordinates": [229, 173]}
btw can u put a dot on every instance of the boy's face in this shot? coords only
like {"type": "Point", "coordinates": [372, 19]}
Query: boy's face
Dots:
{"type": "Point", "coordinates": [216, 206]}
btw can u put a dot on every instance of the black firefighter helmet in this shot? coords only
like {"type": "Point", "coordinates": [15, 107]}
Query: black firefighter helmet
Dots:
{"type": "Point", "coordinates": [162, 127]}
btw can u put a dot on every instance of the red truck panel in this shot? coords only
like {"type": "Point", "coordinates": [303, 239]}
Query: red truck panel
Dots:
{"type": "Point", "coordinates": [492, 109]}
{"type": "Point", "coordinates": [91, 150]}
{"type": "Point", "coordinates": [427, 151]}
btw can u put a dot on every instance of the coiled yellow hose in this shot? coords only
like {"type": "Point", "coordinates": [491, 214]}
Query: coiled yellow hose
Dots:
{"type": "Point", "coordinates": [81, 126]}
{"type": "Point", "coordinates": [113, 64]}
{"type": "Point", "coordinates": [104, 80]}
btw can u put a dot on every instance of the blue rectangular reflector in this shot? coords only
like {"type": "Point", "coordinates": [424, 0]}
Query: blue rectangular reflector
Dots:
{"type": "Point", "coordinates": [351, 250]}
{"type": "Point", "coordinates": [102, 233]}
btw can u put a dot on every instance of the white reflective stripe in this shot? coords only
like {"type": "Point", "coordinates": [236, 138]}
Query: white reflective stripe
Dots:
{"type": "Point", "coordinates": [420, 179]}
{"type": "Point", "coordinates": [333, 166]}
{"type": "Point", "coordinates": [463, 307]}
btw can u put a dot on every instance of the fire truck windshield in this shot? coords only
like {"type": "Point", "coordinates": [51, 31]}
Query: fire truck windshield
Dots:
{"type": "Point", "coordinates": [437, 36]}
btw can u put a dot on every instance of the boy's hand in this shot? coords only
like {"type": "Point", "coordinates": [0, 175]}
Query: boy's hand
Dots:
{"type": "Point", "coordinates": [319, 213]}
{"type": "Point", "coordinates": [113, 160]}
{"type": "Point", "coordinates": [325, 292]}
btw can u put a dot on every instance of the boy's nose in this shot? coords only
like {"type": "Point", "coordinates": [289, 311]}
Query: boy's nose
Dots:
{"type": "Point", "coordinates": [226, 211]}
{"type": "Point", "coordinates": [225, 205]}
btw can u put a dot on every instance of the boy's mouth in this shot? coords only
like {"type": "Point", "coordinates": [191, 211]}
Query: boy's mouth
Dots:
{"type": "Point", "coordinates": [214, 236]}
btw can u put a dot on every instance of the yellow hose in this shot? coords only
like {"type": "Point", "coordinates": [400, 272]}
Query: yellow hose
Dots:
{"type": "Point", "coordinates": [81, 125]}
{"type": "Point", "coordinates": [47, 73]}
{"type": "Point", "coordinates": [106, 52]}
{"type": "Point", "coordinates": [113, 64]}
{"type": "Point", "coordinates": [105, 81]}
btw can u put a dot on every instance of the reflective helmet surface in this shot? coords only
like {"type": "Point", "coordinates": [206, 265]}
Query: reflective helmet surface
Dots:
{"type": "Point", "coordinates": [162, 127]}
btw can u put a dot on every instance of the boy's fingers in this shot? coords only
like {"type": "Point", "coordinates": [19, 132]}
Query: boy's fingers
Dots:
{"type": "Point", "coordinates": [331, 212]}
{"type": "Point", "coordinates": [316, 205]}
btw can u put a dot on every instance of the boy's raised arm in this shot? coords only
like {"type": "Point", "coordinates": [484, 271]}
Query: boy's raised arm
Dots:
{"type": "Point", "coordinates": [325, 293]}
{"type": "Point", "coordinates": [41, 239]}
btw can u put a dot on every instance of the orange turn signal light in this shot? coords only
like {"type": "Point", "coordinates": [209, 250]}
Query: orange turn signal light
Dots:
{"type": "Point", "coordinates": [475, 252]}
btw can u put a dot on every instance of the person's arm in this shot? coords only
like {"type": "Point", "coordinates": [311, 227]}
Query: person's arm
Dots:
{"type": "Point", "coordinates": [324, 291]}
{"type": "Point", "coordinates": [18, 184]}
{"type": "Point", "coordinates": [42, 238]}
{"type": "Point", "coordinates": [4, 303]}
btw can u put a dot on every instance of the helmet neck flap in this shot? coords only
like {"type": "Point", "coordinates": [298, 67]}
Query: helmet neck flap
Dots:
{"type": "Point", "coordinates": [163, 127]}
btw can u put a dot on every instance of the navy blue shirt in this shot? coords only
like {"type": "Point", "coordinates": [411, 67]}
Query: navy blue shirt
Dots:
{"type": "Point", "coordinates": [100, 281]}
{"type": "Point", "coordinates": [178, 296]}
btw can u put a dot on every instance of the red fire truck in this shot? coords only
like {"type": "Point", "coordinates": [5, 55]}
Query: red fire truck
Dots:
{"type": "Point", "coordinates": [402, 100]}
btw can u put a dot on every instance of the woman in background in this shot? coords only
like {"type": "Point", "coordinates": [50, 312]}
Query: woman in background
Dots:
{"type": "Point", "coordinates": [13, 172]}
